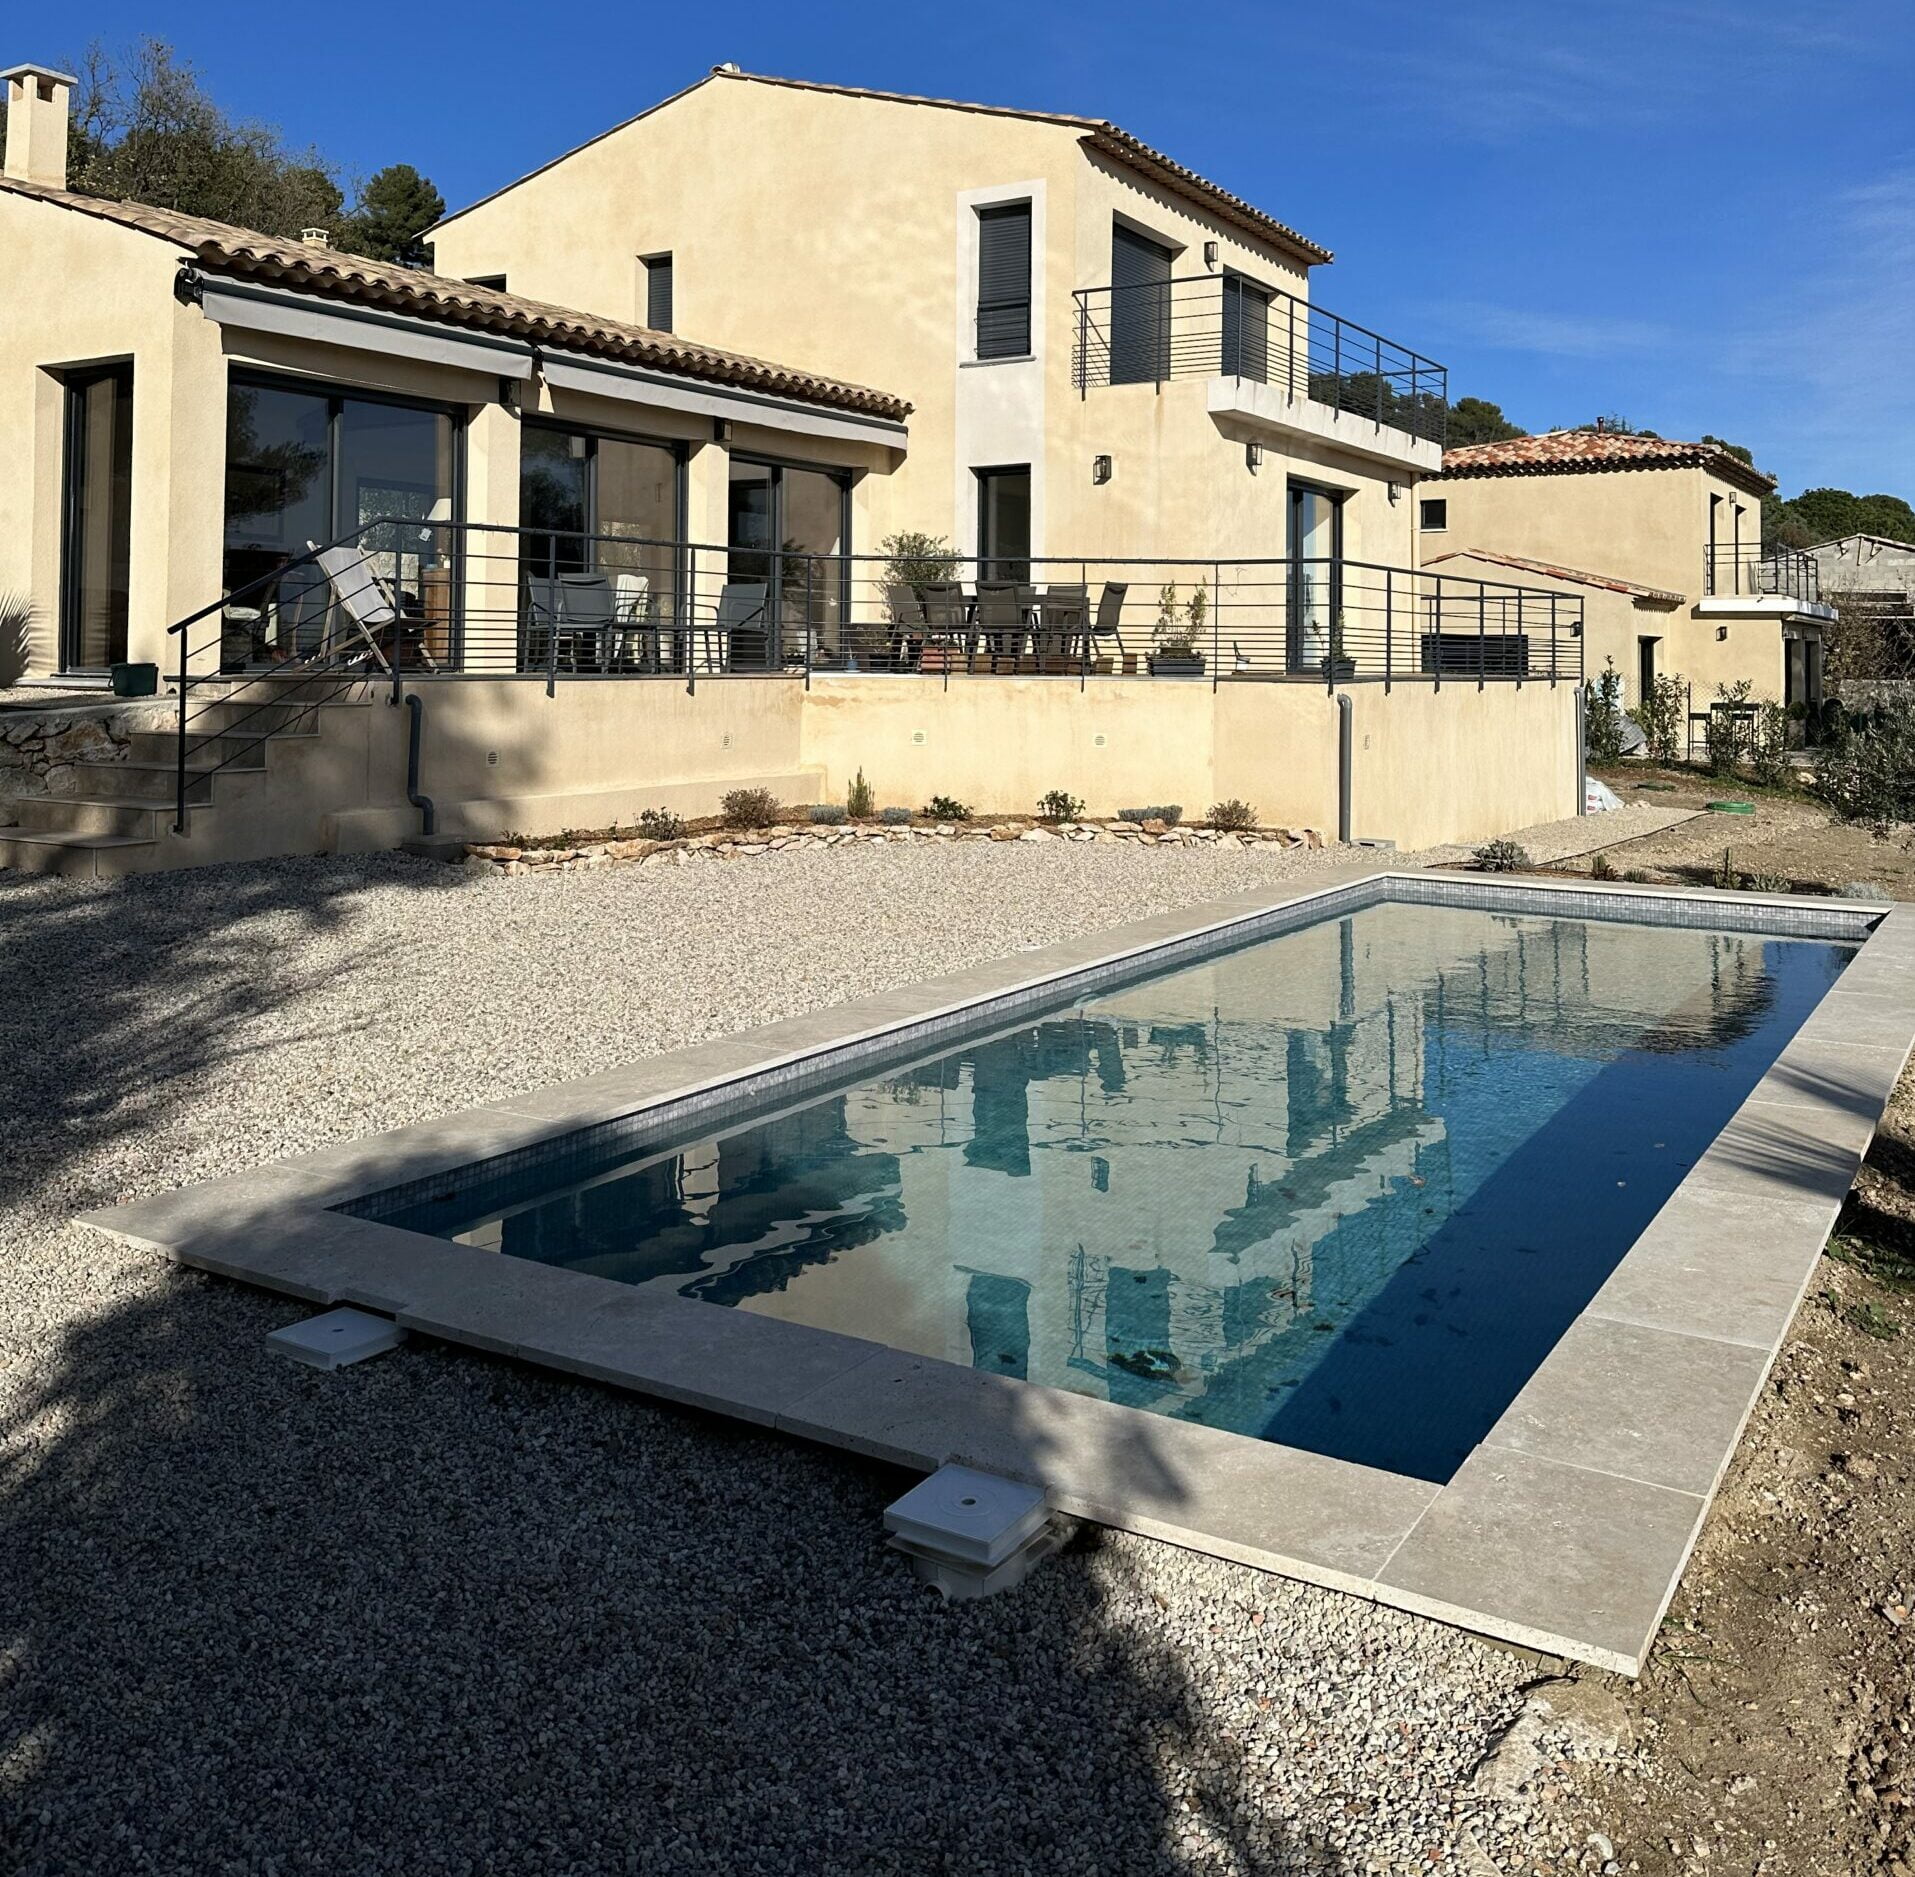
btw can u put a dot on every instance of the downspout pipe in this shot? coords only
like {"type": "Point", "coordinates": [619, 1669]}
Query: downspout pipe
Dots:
{"type": "Point", "coordinates": [1346, 746]}
{"type": "Point", "coordinates": [415, 737]}
{"type": "Point", "coordinates": [1582, 749]}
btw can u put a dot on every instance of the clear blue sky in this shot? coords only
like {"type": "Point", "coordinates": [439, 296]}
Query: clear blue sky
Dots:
{"type": "Point", "coordinates": [1697, 213]}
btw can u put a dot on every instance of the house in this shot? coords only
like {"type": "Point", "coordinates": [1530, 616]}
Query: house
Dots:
{"type": "Point", "coordinates": [1673, 534]}
{"type": "Point", "coordinates": [605, 565]}
{"type": "Point", "coordinates": [1105, 353]}
{"type": "Point", "coordinates": [1870, 579]}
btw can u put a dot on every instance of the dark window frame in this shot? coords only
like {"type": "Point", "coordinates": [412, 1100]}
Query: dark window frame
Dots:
{"type": "Point", "coordinates": [845, 479]}
{"type": "Point", "coordinates": [1295, 486]}
{"type": "Point", "coordinates": [990, 566]}
{"type": "Point", "coordinates": [660, 269]}
{"type": "Point", "coordinates": [1440, 504]}
{"type": "Point", "coordinates": [1003, 323]}
{"type": "Point", "coordinates": [595, 434]}
{"type": "Point", "coordinates": [74, 385]}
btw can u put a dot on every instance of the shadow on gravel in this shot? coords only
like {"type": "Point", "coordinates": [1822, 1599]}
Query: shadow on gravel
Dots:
{"type": "Point", "coordinates": [116, 998]}
{"type": "Point", "coordinates": [444, 1613]}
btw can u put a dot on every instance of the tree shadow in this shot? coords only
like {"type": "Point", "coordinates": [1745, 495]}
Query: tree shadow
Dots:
{"type": "Point", "coordinates": [448, 1612]}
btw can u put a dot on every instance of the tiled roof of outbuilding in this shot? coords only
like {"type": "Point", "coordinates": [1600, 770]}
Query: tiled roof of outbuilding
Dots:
{"type": "Point", "coordinates": [1574, 576]}
{"type": "Point", "coordinates": [328, 273]}
{"type": "Point", "coordinates": [1573, 452]}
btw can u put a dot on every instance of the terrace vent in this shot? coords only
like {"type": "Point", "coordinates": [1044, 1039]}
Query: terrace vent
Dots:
{"type": "Point", "coordinates": [970, 1534]}
{"type": "Point", "coordinates": [336, 1338]}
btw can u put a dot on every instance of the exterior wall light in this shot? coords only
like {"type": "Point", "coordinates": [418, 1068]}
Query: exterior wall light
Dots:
{"type": "Point", "coordinates": [1396, 493]}
{"type": "Point", "coordinates": [1100, 468]}
{"type": "Point", "coordinates": [1210, 254]}
{"type": "Point", "coordinates": [1722, 632]}
{"type": "Point", "coordinates": [1253, 456]}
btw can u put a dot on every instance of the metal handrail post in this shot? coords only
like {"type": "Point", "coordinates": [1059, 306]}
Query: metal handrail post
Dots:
{"type": "Point", "coordinates": [1482, 635]}
{"type": "Point", "coordinates": [179, 807]}
{"type": "Point", "coordinates": [1389, 628]}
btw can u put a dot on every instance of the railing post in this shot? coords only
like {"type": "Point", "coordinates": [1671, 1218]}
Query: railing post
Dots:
{"type": "Point", "coordinates": [1216, 624]}
{"type": "Point", "coordinates": [1436, 636]}
{"type": "Point", "coordinates": [1290, 346]}
{"type": "Point", "coordinates": [1482, 633]}
{"type": "Point", "coordinates": [1554, 642]}
{"type": "Point", "coordinates": [1389, 627]}
{"type": "Point", "coordinates": [179, 754]}
{"type": "Point", "coordinates": [1379, 379]}
{"type": "Point", "coordinates": [1336, 340]}
{"type": "Point", "coordinates": [1083, 345]}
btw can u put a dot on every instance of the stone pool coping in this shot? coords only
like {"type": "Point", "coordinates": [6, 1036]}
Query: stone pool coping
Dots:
{"type": "Point", "coordinates": [1565, 1530]}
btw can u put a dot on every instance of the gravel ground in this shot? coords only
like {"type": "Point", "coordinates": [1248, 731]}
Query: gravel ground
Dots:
{"type": "Point", "coordinates": [1552, 841]}
{"type": "Point", "coordinates": [443, 1613]}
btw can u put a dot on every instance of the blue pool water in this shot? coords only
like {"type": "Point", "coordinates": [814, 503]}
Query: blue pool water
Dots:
{"type": "Point", "coordinates": [1342, 1188]}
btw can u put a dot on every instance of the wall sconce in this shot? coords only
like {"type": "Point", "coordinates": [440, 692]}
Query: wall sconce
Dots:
{"type": "Point", "coordinates": [1210, 254]}
{"type": "Point", "coordinates": [1253, 457]}
{"type": "Point", "coordinates": [721, 429]}
{"type": "Point", "coordinates": [1722, 632]}
{"type": "Point", "coordinates": [1396, 493]}
{"type": "Point", "coordinates": [1100, 469]}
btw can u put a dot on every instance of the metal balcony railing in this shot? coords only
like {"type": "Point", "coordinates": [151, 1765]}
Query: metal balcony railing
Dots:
{"type": "Point", "coordinates": [1222, 325]}
{"type": "Point", "coordinates": [1734, 570]}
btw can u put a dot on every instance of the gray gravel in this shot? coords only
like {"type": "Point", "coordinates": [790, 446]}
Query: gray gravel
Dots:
{"type": "Point", "coordinates": [446, 1614]}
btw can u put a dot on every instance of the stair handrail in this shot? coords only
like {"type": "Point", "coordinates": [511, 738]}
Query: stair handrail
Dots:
{"type": "Point", "coordinates": [186, 678]}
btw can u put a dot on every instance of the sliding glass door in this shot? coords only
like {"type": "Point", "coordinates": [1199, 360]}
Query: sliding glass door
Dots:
{"type": "Point", "coordinates": [309, 464]}
{"type": "Point", "coordinates": [789, 532]}
{"type": "Point", "coordinates": [1316, 578]}
{"type": "Point", "coordinates": [96, 555]}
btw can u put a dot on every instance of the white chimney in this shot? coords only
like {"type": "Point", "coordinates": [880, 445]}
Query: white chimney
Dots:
{"type": "Point", "coordinates": [36, 124]}
{"type": "Point", "coordinates": [315, 237]}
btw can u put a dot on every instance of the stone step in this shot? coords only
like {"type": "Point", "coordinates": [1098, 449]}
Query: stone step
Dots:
{"type": "Point", "coordinates": [210, 750]}
{"type": "Point", "coordinates": [78, 857]}
{"type": "Point", "coordinates": [67, 815]}
{"type": "Point", "coordinates": [135, 781]}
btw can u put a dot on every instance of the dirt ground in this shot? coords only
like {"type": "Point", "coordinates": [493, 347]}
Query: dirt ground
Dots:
{"type": "Point", "coordinates": [1773, 1730]}
{"type": "Point", "coordinates": [1786, 836]}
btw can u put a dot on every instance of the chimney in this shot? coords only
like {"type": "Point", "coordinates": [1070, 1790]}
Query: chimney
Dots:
{"type": "Point", "coordinates": [315, 238]}
{"type": "Point", "coordinates": [36, 124]}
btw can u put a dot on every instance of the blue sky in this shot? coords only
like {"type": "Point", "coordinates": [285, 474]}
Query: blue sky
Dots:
{"type": "Point", "coordinates": [1698, 213]}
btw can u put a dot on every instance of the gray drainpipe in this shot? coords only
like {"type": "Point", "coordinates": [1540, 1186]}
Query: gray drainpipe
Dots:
{"type": "Point", "coordinates": [1346, 717]}
{"type": "Point", "coordinates": [1582, 750]}
{"type": "Point", "coordinates": [415, 735]}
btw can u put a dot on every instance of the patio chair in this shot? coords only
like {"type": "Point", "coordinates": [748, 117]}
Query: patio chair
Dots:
{"type": "Point", "coordinates": [905, 617]}
{"type": "Point", "coordinates": [947, 631]}
{"type": "Point", "coordinates": [631, 613]}
{"type": "Point", "coordinates": [587, 617]}
{"type": "Point", "coordinates": [741, 608]}
{"type": "Point", "coordinates": [369, 607]}
{"type": "Point", "coordinates": [1110, 611]}
{"type": "Point", "coordinates": [541, 621]}
{"type": "Point", "coordinates": [1001, 606]}
{"type": "Point", "coordinates": [1063, 624]}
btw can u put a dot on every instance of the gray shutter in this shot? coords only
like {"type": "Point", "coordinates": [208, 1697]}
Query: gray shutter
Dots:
{"type": "Point", "coordinates": [1139, 307]}
{"type": "Point", "coordinates": [658, 293]}
{"type": "Point", "coordinates": [1004, 280]}
{"type": "Point", "coordinates": [1246, 329]}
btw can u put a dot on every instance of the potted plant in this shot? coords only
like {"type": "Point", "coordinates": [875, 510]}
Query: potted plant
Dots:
{"type": "Point", "coordinates": [1176, 632]}
{"type": "Point", "coordinates": [1337, 663]}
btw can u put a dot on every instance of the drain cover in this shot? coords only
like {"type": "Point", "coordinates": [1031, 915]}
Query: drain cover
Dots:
{"type": "Point", "coordinates": [337, 1337]}
{"type": "Point", "coordinates": [967, 1516]}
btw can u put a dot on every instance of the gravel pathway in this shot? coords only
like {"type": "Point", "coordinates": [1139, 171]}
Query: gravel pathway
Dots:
{"type": "Point", "coordinates": [446, 1614]}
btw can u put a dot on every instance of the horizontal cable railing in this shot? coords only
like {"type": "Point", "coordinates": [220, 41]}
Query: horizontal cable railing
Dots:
{"type": "Point", "coordinates": [1219, 325]}
{"type": "Point", "coordinates": [401, 601]}
{"type": "Point", "coordinates": [1733, 569]}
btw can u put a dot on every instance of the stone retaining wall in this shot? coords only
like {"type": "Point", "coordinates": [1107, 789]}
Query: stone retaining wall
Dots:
{"type": "Point", "coordinates": [37, 750]}
{"type": "Point", "coordinates": [730, 844]}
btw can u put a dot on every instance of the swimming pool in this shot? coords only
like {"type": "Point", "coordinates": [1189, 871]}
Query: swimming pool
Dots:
{"type": "Point", "coordinates": [1341, 1188]}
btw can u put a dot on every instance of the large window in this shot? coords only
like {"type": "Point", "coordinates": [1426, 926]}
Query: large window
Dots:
{"type": "Point", "coordinates": [1004, 523]}
{"type": "Point", "coordinates": [1246, 329]}
{"type": "Point", "coordinates": [789, 533]}
{"type": "Point", "coordinates": [309, 465]}
{"type": "Point", "coordinates": [98, 519]}
{"type": "Point", "coordinates": [1004, 280]}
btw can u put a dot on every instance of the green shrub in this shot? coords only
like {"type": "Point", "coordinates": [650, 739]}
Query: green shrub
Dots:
{"type": "Point", "coordinates": [827, 815]}
{"type": "Point", "coordinates": [660, 824]}
{"type": "Point", "coordinates": [1169, 813]}
{"type": "Point", "coordinates": [1769, 757]}
{"type": "Point", "coordinates": [1767, 883]}
{"type": "Point", "coordinates": [1602, 716]}
{"type": "Point", "coordinates": [859, 799]}
{"type": "Point", "coordinates": [1600, 868]}
{"type": "Point", "coordinates": [945, 808]}
{"type": "Point", "coordinates": [749, 808]}
{"type": "Point", "coordinates": [1500, 857]}
{"type": "Point", "coordinates": [1059, 805]}
{"type": "Point", "coordinates": [1868, 774]}
{"type": "Point", "coordinates": [1635, 876]}
{"type": "Point", "coordinates": [919, 560]}
{"type": "Point", "coordinates": [1233, 816]}
{"type": "Point", "coordinates": [895, 817]}
{"type": "Point", "coordinates": [1661, 717]}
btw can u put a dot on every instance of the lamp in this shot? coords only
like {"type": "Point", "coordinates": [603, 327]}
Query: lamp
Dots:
{"type": "Point", "coordinates": [1253, 457]}
{"type": "Point", "coordinates": [1100, 468]}
{"type": "Point", "coordinates": [1210, 254]}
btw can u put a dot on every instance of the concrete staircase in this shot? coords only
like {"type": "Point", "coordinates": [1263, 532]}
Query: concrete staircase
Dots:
{"type": "Point", "coordinates": [113, 817]}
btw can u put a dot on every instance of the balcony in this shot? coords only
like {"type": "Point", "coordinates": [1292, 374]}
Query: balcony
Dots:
{"type": "Point", "coordinates": [1275, 362]}
{"type": "Point", "coordinates": [1779, 582]}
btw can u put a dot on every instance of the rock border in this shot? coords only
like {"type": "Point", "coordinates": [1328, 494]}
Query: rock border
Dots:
{"type": "Point", "coordinates": [510, 858]}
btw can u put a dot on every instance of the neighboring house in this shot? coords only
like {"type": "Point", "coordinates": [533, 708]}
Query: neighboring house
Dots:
{"type": "Point", "coordinates": [1871, 580]}
{"type": "Point", "coordinates": [1677, 527]}
{"type": "Point", "coordinates": [1105, 354]}
{"type": "Point", "coordinates": [579, 546]}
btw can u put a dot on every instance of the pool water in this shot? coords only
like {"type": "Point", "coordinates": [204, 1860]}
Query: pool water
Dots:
{"type": "Point", "coordinates": [1342, 1188]}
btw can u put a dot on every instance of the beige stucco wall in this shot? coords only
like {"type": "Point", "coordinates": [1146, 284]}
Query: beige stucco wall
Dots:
{"type": "Point", "coordinates": [852, 253]}
{"type": "Point", "coordinates": [1428, 766]}
{"type": "Point", "coordinates": [77, 292]}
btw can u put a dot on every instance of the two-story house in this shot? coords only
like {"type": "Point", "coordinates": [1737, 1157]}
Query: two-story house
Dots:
{"type": "Point", "coordinates": [1106, 355]}
{"type": "Point", "coordinates": [1662, 538]}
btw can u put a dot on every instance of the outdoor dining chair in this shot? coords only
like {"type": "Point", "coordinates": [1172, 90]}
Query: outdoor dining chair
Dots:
{"type": "Point", "coordinates": [1110, 612]}
{"type": "Point", "coordinates": [587, 617]}
{"type": "Point", "coordinates": [947, 630]}
{"type": "Point", "coordinates": [369, 606]}
{"type": "Point", "coordinates": [1001, 613]}
{"type": "Point", "coordinates": [741, 608]}
{"type": "Point", "coordinates": [1063, 621]}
